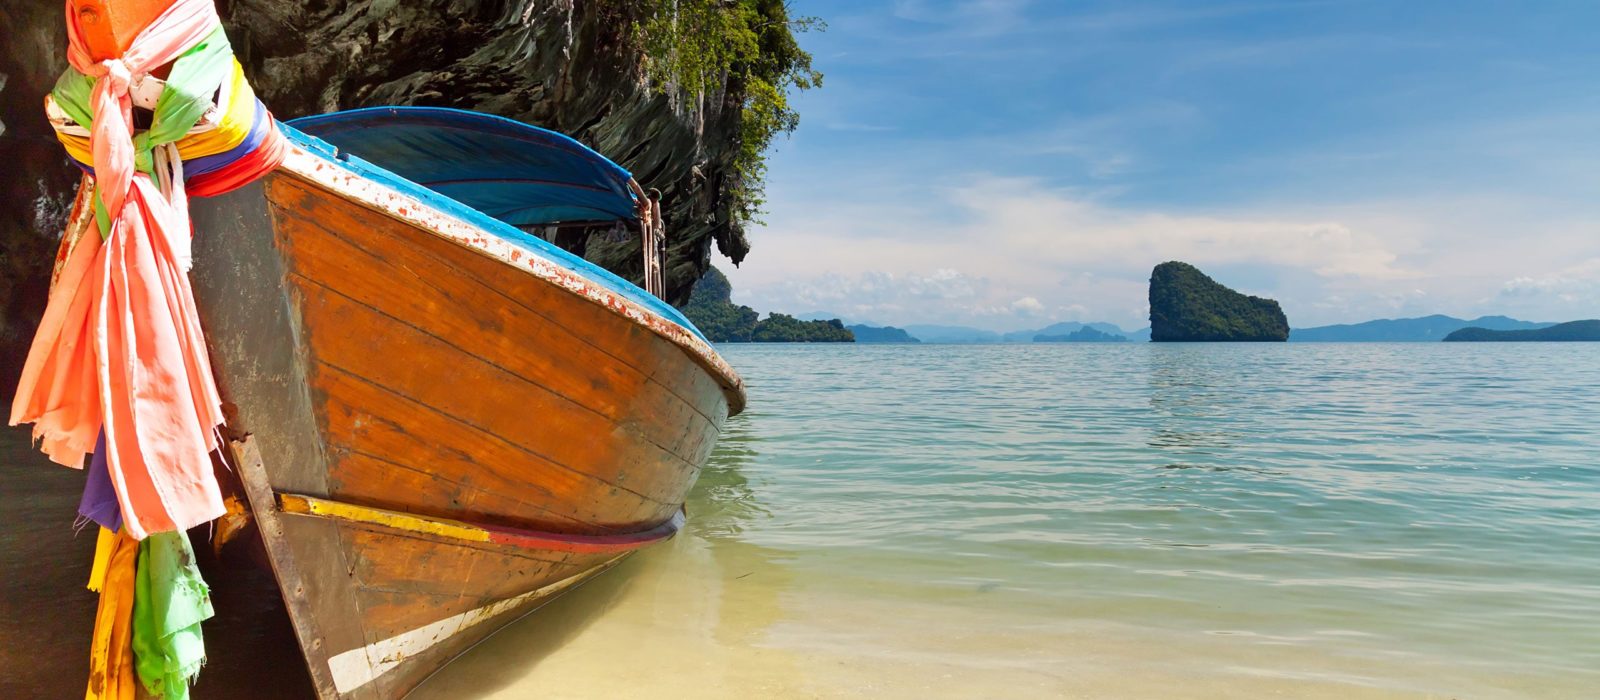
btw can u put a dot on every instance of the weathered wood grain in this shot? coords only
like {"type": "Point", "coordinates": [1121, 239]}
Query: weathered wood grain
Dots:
{"type": "Point", "coordinates": [382, 366]}
{"type": "Point", "coordinates": [571, 406]}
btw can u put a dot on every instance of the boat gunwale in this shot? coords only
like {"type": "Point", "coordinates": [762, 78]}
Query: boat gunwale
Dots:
{"type": "Point", "coordinates": [348, 181]}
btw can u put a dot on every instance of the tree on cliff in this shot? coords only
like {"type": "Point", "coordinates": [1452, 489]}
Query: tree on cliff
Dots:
{"type": "Point", "coordinates": [743, 50]}
{"type": "Point", "coordinates": [783, 328]}
{"type": "Point", "coordinates": [1186, 305]}
{"type": "Point", "coordinates": [712, 310]}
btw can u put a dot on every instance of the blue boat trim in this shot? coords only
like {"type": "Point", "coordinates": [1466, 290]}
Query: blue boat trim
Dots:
{"type": "Point", "coordinates": [517, 173]}
{"type": "Point", "coordinates": [528, 243]}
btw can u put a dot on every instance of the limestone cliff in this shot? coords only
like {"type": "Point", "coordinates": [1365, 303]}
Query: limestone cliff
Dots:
{"type": "Point", "coordinates": [1186, 305]}
{"type": "Point", "coordinates": [567, 65]}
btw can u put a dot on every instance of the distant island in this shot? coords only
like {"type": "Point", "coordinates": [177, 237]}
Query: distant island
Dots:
{"type": "Point", "coordinates": [884, 334]}
{"type": "Point", "coordinates": [1426, 329]}
{"type": "Point", "coordinates": [712, 310]}
{"type": "Point", "coordinates": [1188, 306]}
{"type": "Point", "coordinates": [967, 334]}
{"type": "Point", "coordinates": [1571, 331]}
{"type": "Point", "coordinates": [1086, 334]}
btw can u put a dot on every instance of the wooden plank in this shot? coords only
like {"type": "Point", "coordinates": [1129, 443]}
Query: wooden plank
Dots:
{"type": "Point", "coordinates": [355, 340]}
{"type": "Point", "coordinates": [251, 324]}
{"type": "Point", "coordinates": [419, 565]}
{"type": "Point", "coordinates": [583, 321]}
{"type": "Point", "coordinates": [397, 664]}
{"type": "Point", "coordinates": [313, 597]}
{"type": "Point", "coordinates": [447, 447]}
{"type": "Point", "coordinates": [379, 482]}
{"type": "Point", "coordinates": [471, 311]}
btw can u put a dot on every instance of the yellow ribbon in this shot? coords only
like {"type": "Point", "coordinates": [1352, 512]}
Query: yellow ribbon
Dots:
{"type": "Point", "coordinates": [232, 131]}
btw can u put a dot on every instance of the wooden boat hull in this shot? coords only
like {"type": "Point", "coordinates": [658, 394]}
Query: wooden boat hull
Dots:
{"type": "Point", "coordinates": [436, 431]}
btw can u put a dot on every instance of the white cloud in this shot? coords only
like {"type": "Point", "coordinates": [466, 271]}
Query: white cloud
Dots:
{"type": "Point", "coordinates": [999, 252]}
{"type": "Point", "coordinates": [1027, 306]}
{"type": "Point", "coordinates": [1575, 285]}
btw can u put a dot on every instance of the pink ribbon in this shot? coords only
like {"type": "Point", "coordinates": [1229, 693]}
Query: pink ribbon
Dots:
{"type": "Point", "coordinates": [120, 345]}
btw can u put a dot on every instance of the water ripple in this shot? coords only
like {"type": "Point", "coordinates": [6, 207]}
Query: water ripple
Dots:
{"type": "Point", "coordinates": [1401, 499]}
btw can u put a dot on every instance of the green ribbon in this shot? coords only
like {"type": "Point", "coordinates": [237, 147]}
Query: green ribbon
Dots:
{"type": "Point", "coordinates": [190, 90]}
{"type": "Point", "coordinates": [170, 600]}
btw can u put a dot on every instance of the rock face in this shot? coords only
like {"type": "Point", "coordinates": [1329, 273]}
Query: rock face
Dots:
{"type": "Point", "coordinates": [561, 64]}
{"type": "Point", "coordinates": [1188, 306]}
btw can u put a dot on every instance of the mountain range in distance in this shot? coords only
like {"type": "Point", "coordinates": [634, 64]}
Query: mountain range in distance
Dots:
{"type": "Point", "coordinates": [1588, 330]}
{"type": "Point", "coordinates": [965, 334]}
{"type": "Point", "coordinates": [1426, 329]}
{"type": "Point", "coordinates": [867, 332]}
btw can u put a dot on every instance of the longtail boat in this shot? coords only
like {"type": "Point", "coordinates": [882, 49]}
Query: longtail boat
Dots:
{"type": "Point", "coordinates": [438, 420]}
{"type": "Point", "coordinates": [452, 420]}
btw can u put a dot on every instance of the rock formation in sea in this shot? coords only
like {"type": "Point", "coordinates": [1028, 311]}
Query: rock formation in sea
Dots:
{"type": "Point", "coordinates": [712, 310]}
{"type": "Point", "coordinates": [575, 66]}
{"type": "Point", "coordinates": [1186, 306]}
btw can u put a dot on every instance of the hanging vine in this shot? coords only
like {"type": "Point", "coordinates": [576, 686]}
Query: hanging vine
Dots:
{"type": "Point", "coordinates": [744, 47]}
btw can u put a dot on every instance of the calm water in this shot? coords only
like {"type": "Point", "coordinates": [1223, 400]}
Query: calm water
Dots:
{"type": "Point", "coordinates": [1134, 520]}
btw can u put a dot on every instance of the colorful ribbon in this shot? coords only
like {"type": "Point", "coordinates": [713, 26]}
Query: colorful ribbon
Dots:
{"type": "Point", "coordinates": [120, 347]}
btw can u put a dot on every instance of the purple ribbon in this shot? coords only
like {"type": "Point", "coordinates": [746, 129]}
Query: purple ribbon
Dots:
{"type": "Point", "coordinates": [99, 497]}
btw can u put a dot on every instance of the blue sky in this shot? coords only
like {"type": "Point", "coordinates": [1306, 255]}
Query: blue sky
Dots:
{"type": "Point", "coordinates": [1006, 164]}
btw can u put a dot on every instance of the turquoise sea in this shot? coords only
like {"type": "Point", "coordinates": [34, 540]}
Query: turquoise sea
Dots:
{"type": "Point", "coordinates": [1218, 520]}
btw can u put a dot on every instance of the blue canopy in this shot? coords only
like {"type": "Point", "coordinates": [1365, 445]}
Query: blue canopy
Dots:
{"type": "Point", "coordinates": [520, 174]}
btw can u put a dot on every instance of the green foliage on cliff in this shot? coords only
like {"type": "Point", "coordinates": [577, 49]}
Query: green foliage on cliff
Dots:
{"type": "Point", "coordinates": [712, 310]}
{"type": "Point", "coordinates": [1570, 331]}
{"type": "Point", "coordinates": [747, 46]}
{"type": "Point", "coordinates": [1186, 305]}
{"type": "Point", "coordinates": [783, 328]}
